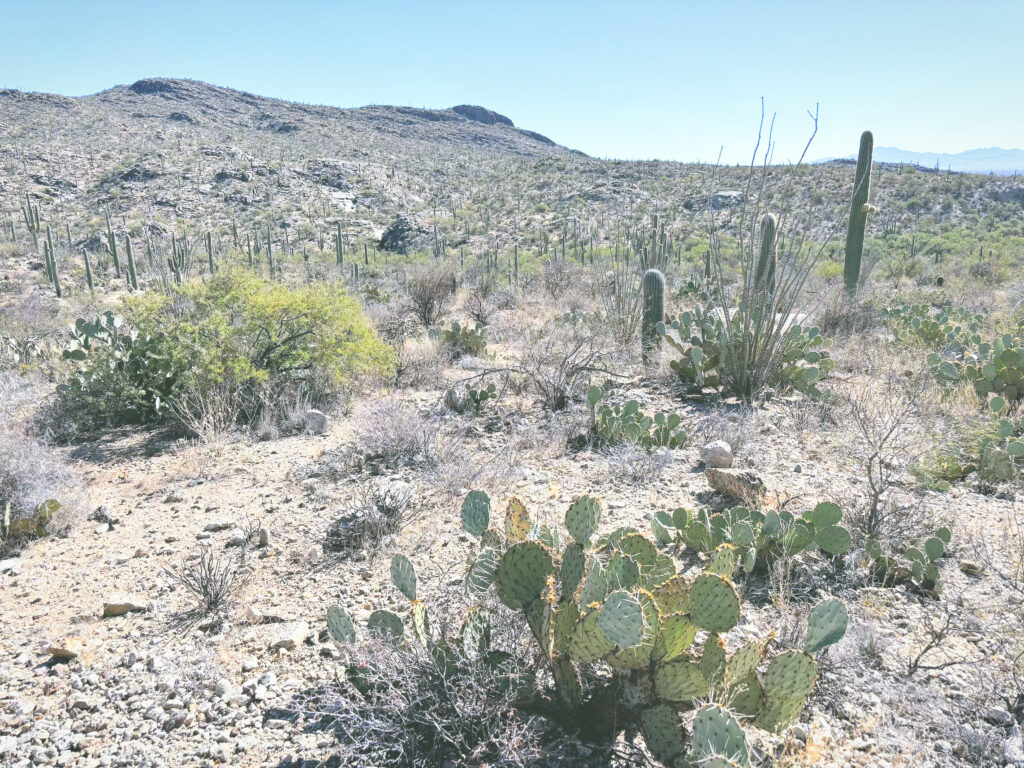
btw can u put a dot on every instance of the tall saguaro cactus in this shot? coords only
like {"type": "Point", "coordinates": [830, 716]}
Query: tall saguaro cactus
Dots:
{"type": "Point", "coordinates": [768, 259]}
{"type": "Point", "coordinates": [112, 247]}
{"type": "Point", "coordinates": [859, 209]}
{"type": "Point", "coordinates": [133, 280]}
{"type": "Point", "coordinates": [653, 312]}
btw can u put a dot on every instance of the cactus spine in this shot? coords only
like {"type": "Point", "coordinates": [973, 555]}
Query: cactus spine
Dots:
{"type": "Point", "coordinates": [859, 210]}
{"type": "Point", "coordinates": [133, 281]}
{"type": "Point", "coordinates": [653, 312]}
{"type": "Point", "coordinates": [768, 260]}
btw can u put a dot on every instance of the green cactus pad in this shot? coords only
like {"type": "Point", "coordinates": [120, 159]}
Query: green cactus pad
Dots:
{"type": "Point", "coordinates": [717, 733]}
{"type": "Point", "coordinates": [934, 548]}
{"type": "Point", "coordinates": [775, 714]}
{"type": "Point", "coordinates": [640, 548]}
{"type": "Point", "coordinates": [574, 561]}
{"type": "Point", "coordinates": [654, 576]}
{"type": "Point", "coordinates": [481, 571]}
{"type": "Point", "coordinates": [403, 576]}
{"type": "Point", "coordinates": [742, 533]}
{"type": "Point", "coordinates": [639, 655]}
{"type": "Point", "coordinates": [421, 622]}
{"type": "Point", "coordinates": [679, 680]}
{"type": "Point", "coordinates": [712, 659]}
{"type": "Point", "coordinates": [723, 562]}
{"type": "Point", "coordinates": [824, 515]}
{"type": "Point", "coordinates": [623, 572]}
{"type": "Point", "coordinates": [745, 695]}
{"type": "Point", "coordinates": [663, 733]}
{"type": "Point", "coordinates": [944, 535]}
{"type": "Point", "coordinates": [661, 527]}
{"type": "Point", "coordinates": [622, 619]}
{"type": "Point", "coordinates": [714, 605]}
{"type": "Point", "coordinates": [673, 596]}
{"type": "Point", "coordinates": [596, 587]}
{"type": "Point", "coordinates": [538, 617]}
{"type": "Point", "coordinates": [517, 521]}
{"type": "Point", "coordinates": [567, 616]}
{"type": "Point", "coordinates": [790, 675]}
{"type": "Point", "coordinates": [826, 625]}
{"type": "Point", "coordinates": [583, 518]}
{"type": "Point", "coordinates": [476, 513]}
{"type": "Point", "coordinates": [833, 539]}
{"type": "Point", "coordinates": [386, 623]}
{"type": "Point", "coordinates": [476, 633]}
{"type": "Point", "coordinates": [744, 662]}
{"type": "Point", "coordinates": [798, 538]}
{"type": "Point", "coordinates": [522, 573]}
{"type": "Point", "coordinates": [339, 625]}
{"type": "Point", "coordinates": [588, 643]}
{"type": "Point", "coordinates": [676, 635]}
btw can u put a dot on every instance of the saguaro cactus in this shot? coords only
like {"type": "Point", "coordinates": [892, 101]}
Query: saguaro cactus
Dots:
{"type": "Point", "coordinates": [768, 260]}
{"type": "Point", "coordinates": [209, 253]}
{"type": "Point", "coordinates": [653, 312]}
{"type": "Point", "coordinates": [133, 281]}
{"type": "Point", "coordinates": [112, 247]}
{"type": "Point", "coordinates": [859, 210]}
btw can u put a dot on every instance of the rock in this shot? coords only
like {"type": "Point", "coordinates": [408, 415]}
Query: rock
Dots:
{"type": "Point", "coordinates": [998, 717]}
{"type": "Point", "coordinates": [119, 605]}
{"type": "Point", "coordinates": [7, 745]}
{"type": "Point", "coordinates": [11, 565]}
{"type": "Point", "coordinates": [971, 568]}
{"type": "Point", "coordinates": [717, 455]}
{"type": "Point", "coordinates": [290, 635]}
{"type": "Point", "coordinates": [219, 525]}
{"type": "Point", "coordinates": [225, 690]}
{"type": "Point", "coordinates": [317, 422]}
{"type": "Point", "coordinates": [67, 648]}
{"type": "Point", "coordinates": [263, 537]}
{"type": "Point", "coordinates": [741, 484]}
{"type": "Point", "coordinates": [400, 236]}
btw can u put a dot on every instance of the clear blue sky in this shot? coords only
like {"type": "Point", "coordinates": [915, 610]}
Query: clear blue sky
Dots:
{"type": "Point", "coordinates": [672, 80]}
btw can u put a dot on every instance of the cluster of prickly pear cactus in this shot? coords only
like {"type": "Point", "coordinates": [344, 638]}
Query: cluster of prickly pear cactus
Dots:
{"type": "Point", "coordinates": [702, 341]}
{"type": "Point", "coordinates": [917, 566]}
{"type": "Point", "coordinates": [753, 536]}
{"type": "Point", "coordinates": [992, 369]}
{"type": "Point", "coordinates": [611, 424]}
{"type": "Point", "coordinates": [462, 340]}
{"type": "Point", "coordinates": [946, 327]}
{"type": "Point", "coordinates": [699, 345]}
{"type": "Point", "coordinates": [618, 600]}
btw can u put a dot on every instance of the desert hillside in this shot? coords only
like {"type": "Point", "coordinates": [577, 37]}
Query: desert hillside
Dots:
{"type": "Point", "coordinates": [404, 437]}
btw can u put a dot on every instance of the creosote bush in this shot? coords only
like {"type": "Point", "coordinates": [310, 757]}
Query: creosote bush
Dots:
{"type": "Point", "coordinates": [261, 341]}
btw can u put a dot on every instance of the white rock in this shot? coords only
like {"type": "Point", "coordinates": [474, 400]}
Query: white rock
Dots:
{"type": "Point", "coordinates": [290, 635]}
{"type": "Point", "coordinates": [317, 422]}
{"type": "Point", "coordinates": [717, 454]}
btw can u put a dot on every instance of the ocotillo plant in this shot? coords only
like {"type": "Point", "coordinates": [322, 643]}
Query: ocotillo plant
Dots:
{"type": "Point", "coordinates": [767, 261]}
{"type": "Point", "coordinates": [112, 247]}
{"type": "Point", "coordinates": [859, 210]}
{"type": "Point", "coordinates": [133, 281]}
{"type": "Point", "coordinates": [653, 313]}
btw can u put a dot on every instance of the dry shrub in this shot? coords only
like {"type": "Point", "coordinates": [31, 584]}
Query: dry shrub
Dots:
{"type": "Point", "coordinates": [430, 289]}
{"type": "Point", "coordinates": [634, 465]}
{"type": "Point", "coordinates": [381, 510]}
{"type": "Point", "coordinates": [394, 433]}
{"type": "Point", "coordinates": [211, 579]}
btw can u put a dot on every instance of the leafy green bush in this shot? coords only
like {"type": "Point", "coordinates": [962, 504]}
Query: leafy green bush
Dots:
{"type": "Point", "coordinates": [260, 340]}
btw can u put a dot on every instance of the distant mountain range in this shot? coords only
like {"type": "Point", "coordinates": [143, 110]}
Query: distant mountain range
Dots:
{"type": "Point", "coordinates": [1002, 162]}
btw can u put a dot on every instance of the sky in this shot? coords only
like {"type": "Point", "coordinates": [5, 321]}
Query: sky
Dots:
{"type": "Point", "coordinates": [631, 79]}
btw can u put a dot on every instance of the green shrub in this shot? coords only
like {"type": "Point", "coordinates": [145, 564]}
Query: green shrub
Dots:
{"type": "Point", "coordinates": [236, 332]}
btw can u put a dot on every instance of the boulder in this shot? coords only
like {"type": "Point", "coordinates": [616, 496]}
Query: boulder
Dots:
{"type": "Point", "coordinates": [717, 454]}
{"type": "Point", "coordinates": [740, 484]}
{"type": "Point", "coordinates": [290, 635]}
{"type": "Point", "coordinates": [316, 422]}
{"type": "Point", "coordinates": [119, 605]}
